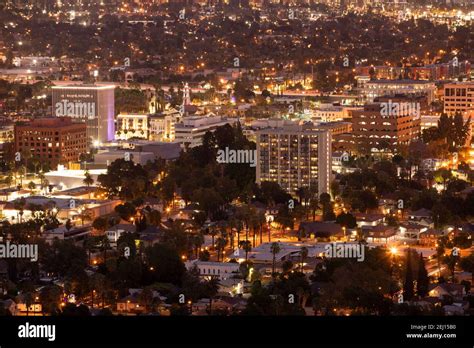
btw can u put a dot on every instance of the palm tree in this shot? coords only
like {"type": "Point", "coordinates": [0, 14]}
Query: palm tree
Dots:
{"type": "Point", "coordinates": [22, 173]}
{"type": "Point", "coordinates": [239, 229]}
{"type": "Point", "coordinates": [314, 206]}
{"type": "Point", "coordinates": [197, 241]}
{"type": "Point", "coordinates": [36, 163]}
{"type": "Point", "coordinates": [89, 245]}
{"type": "Point", "coordinates": [247, 246]}
{"type": "Point", "coordinates": [26, 155]}
{"type": "Point", "coordinates": [88, 181]}
{"type": "Point", "coordinates": [211, 288]}
{"type": "Point", "coordinates": [85, 215]}
{"type": "Point", "coordinates": [275, 249]}
{"type": "Point", "coordinates": [43, 181]}
{"type": "Point", "coordinates": [304, 255]}
{"type": "Point", "coordinates": [254, 223]}
{"type": "Point", "coordinates": [261, 222]}
{"type": "Point", "coordinates": [19, 205]}
{"type": "Point", "coordinates": [213, 233]}
{"type": "Point", "coordinates": [220, 246]}
{"type": "Point", "coordinates": [105, 246]}
{"type": "Point", "coordinates": [232, 226]}
{"type": "Point", "coordinates": [246, 214]}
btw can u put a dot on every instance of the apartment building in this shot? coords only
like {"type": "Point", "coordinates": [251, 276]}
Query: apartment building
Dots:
{"type": "Point", "coordinates": [294, 156]}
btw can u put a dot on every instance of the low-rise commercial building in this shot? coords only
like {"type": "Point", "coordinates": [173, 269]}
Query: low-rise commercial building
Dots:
{"type": "Point", "coordinates": [190, 131]}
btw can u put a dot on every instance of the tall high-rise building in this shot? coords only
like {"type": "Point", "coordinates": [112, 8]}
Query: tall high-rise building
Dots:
{"type": "Point", "coordinates": [91, 104]}
{"type": "Point", "coordinates": [295, 156]}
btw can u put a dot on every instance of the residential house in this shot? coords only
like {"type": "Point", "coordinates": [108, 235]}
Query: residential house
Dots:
{"type": "Point", "coordinates": [382, 234]}
{"type": "Point", "coordinates": [131, 304]}
{"type": "Point", "coordinates": [113, 233]}
{"type": "Point", "coordinates": [411, 231]}
{"type": "Point", "coordinates": [455, 291]}
{"type": "Point", "coordinates": [422, 216]}
{"type": "Point", "coordinates": [430, 237]}
{"type": "Point", "coordinates": [368, 219]}
{"type": "Point", "coordinates": [457, 308]}
{"type": "Point", "coordinates": [75, 233]}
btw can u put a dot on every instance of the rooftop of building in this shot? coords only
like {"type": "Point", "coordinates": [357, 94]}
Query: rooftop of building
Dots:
{"type": "Point", "coordinates": [75, 191]}
{"type": "Point", "coordinates": [48, 122]}
{"type": "Point", "coordinates": [74, 173]}
{"type": "Point", "coordinates": [307, 127]}
{"type": "Point", "coordinates": [84, 86]}
{"type": "Point", "coordinates": [400, 82]}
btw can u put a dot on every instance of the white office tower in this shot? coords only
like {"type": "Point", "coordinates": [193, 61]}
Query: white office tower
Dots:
{"type": "Point", "coordinates": [91, 104]}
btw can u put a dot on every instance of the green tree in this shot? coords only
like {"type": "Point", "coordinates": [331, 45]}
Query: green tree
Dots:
{"type": "Point", "coordinates": [408, 290]}
{"type": "Point", "coordinates": [146, 298]}
{"type": "Point", "coordinates": [423, 280]}
{"type": "Point", "coordinates": [100, 224]}
{"type": "Point", "coordinates": [286, 266]}
{"type": "Point", "coordinates": [126, 211]}
{"type": "Point", "coordinates": [31, 185]}
{"type": "Point", "coordinates": [450, 261]}
{"type": "Point", "coordinates": [443, 175]}
{"type": "Point", "coordinates": [130, 101]}
{"type": "Point", "coordinates": [50, 297]}
{"type": "Point", "coordinates": [347, 220]}
{"type": "Point", "coordinates": [467, 264]}
{"type": "Point", "coordinates": [154, 218]}
{"type": "Point", "coordinates": [167, 264]}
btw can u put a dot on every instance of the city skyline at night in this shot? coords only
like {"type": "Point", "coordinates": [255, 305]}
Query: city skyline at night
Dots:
{"type": "Point", "coordinates": [237, 158]}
